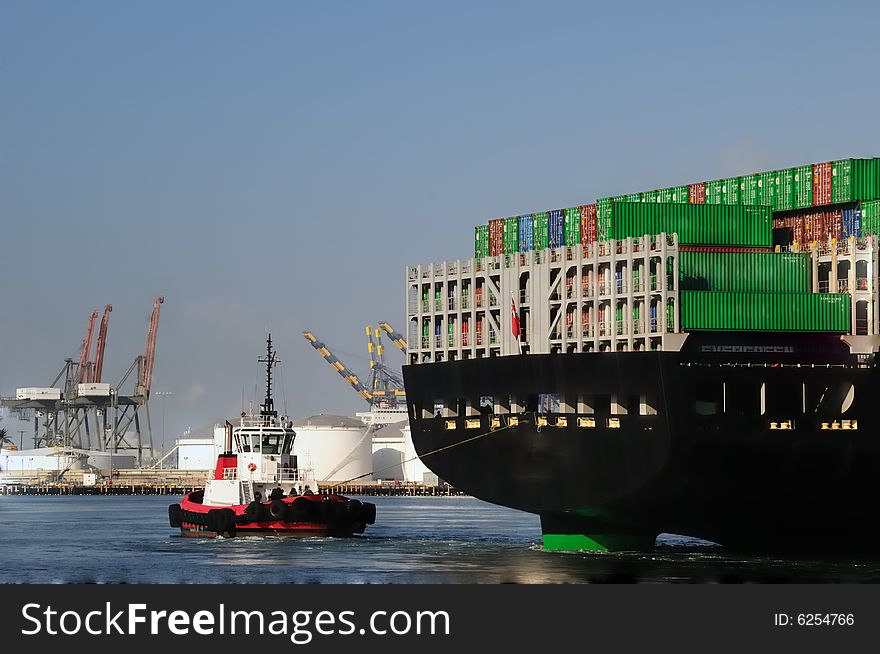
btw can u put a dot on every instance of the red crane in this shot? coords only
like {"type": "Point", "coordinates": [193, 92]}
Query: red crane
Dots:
{"type": "Point", "coordinates": [150, 351]}
{"type": "Point", "coordinates": [102, 343]}
{"type": "Point", "coordinates": [85, 348]}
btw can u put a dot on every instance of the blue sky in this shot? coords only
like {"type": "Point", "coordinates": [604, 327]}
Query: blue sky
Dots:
{"type": "Point", "coordinates": [278, 164]}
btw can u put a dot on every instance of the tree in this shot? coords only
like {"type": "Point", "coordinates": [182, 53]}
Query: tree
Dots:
{"type": "Point", "coordinates": [4, 439]}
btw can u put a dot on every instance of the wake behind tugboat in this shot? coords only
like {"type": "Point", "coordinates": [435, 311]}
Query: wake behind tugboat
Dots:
{"type": "Point", "coordinates": [258, 486]}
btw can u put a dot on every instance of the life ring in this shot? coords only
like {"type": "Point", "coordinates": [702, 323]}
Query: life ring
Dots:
{"type": "Point", "coordinates": [252, 466]}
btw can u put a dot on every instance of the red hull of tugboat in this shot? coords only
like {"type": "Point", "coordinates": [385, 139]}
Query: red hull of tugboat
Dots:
{"type": "Point", "coordinates": [303, 516]}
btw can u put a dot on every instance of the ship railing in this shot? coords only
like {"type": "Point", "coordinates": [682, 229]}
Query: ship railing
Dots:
{"type": "Point", "coordinates": [451, 340]}
{"type": "Point", "coordinates": [843, 286]}
{"type": "Point", "coordinates": [587, 290]}
{"type": "Point", "coordinates": [863, 284]}
{"type": "Point", "coordinates": [438, 341]}
{"type": "Point", "coordinates": [289, 475]}
{"type": "Point", "coordinates": [621, 287]}
{"type": "Point", "coordinates": [824, 286]}
{"type": "Point", "coordinates": [466, 267]}
{"type": "Point", "coordinates": [621, 325]}
{"type": "Point", "coordinates": [464, 339]}
{"type": "Point", "coordinates": [479, 302]}
{"type": "Point", "coordinates": [479, 339]}
{"type": "Point", "coordinates": [426, 342]}
{"type": "Point", "coordinates": [450, 302]}
{"type": "Point", "coordinates": [604, 289]}
{"type": "Point", "coordinates": [438, 305]}
{"type": "Point", "coordinates": [425, 306]}
{"type": "Point", "coordinates": [861, 325]}
{"type": "Point", "coordinates": [569, 291]}
{"type": "Point", "coordinates": [493, 301]}
{"type": "Point", "coordinates": [569, 333]}
{"type": "Point", "coordinates": [524, 296]}
{"type": "Point", "coordinates": [653, 325]}
{"type": "Point", "coordinates": [465, 303]}
{"type": "Point", "coordinates": [412, 274]}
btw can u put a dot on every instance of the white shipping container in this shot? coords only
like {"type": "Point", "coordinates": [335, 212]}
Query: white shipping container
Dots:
{"type": "Point", "coordinates": [90, 479]}
{"type": "Point", "coordinates": [37, 393]}
{"type": "Point", "coordinates": [93, 390]}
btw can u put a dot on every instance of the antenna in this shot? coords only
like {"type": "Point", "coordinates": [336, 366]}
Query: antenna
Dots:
{"type": "Point", "coordinates": [267, 409]}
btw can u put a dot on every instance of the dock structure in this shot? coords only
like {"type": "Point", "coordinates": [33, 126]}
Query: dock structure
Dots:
{"type": "Point", "coordinates": [137, 481]}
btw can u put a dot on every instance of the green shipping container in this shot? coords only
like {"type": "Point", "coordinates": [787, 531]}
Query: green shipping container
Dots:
{"type": "Point", "coordinates": [871, 218]}
{"type": "Point", "coordinates": [633, 197]}
{"type": "Point", "coordinates": [784, 180]}
{"type": "Point", "coordinates": [572, 226]}
{"type": "Point", "coordinates": [651, 196]}
{"type": "Point", "coordinates": [695, 224]}
{"type": "Point", "coordinates": [713, 191]}
{"type": "Point", "coordinates": [603, 218]}
{"type": "Point", "coordinates": [765, 312]}
{"type": "Point", "coordinates": [510, 237]}
{"type": "Point", "coordinates": [481, 241]}
{"type": "Point", "coordinates": [673, 195]}
{"type": "Point", "coordinates": [855, 179]}
{"type": "Point", "coordinates": [766, 189]}
{"type": "Point", "coordinates": [749, 190]}
{"type": "Point", "coordinates": [803, 186]}
{"type": "Point", "coordinates": [769, 272]}
{"type": "Point", "coordinates": [541, 229]}
{"type": "Point", "coordinates": [730, 191]}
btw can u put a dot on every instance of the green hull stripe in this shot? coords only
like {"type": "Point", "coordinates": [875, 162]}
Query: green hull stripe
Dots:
{"type": "Point", "coordinates": [595, 543]}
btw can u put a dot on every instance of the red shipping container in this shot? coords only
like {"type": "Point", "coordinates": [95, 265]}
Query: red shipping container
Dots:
{"type": "Point", "coordinates": [779, 223]}
{"type": "Point", "coordinates": [814, 226]}
{"type": "Point", "coordinates": [798, 229]}
{"type": "Point", "coordinates": [496, 237]}
{"type": "Point", "coordinates": [588, 223]}
{"type": "Point", "coordinates": [697, 193]}
{"type": "Point", "coordinates": [822, 184]}
{"type": "Point", "coordinates": [727, 248]}
{"type": "Point", "coordinates": [833, 224]}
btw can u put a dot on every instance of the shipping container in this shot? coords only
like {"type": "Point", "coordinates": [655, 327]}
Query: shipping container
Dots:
{"type": "Point", "coordinates": [822, 177]}
{"type": "Point", "coordinates": [851, 222]}
{"type": "Point", "coordinates": [792, 312]}
{"type": "Point", "coordinates": [744, 271]}
{"type": "Point", "coordinates": [713, 191]}
{"type": "Point", "coordinates": [749, 190]}
{"type": "Point", "coordinates": [695, 224]}
{"type": "Point", "coordinates": [767, 187]}
{"type": "Point", "coordinates": [556, 235]}
{"type": "Point", "coordinates": [871, 218]}
{"type": "Point", "coordinates": [784, 180]}
{"type": "Point", "coordinates": [572, 226]}
{"type": "Point", "coordinates": [603, 218]}
{"type": "Point", "coordinates": [697, 193]}
{"type": "Point", "coordinates": [496, 237]}
{"type": "Point", "coordinates": [855, 179]}
{"type": "Point", "coordinates": [481, 241]}
{"type": "Point", "coordinates": [541, 230]}
{"type": "Point", "coordinates": [651, 196]}
{"type": "Point", "coordinates": [803, 186]}
{"type": "Point", "coordinates": [526, 230]}
{"type": "Point", "coordinates": [511, 235]}
{"type": "Point", "coordinates": [633, 197]}
{"type": "Point", "coordinates": [673, 195]}
{"type": "Point", "coordinates": [730, 191]}
{"type": "Point", "coordinates": [588, 223]}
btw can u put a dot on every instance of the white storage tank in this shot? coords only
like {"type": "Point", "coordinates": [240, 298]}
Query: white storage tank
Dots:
{"type": "Point", "coordinates": [414, 469]}
{"type": "Point", "coordinates": [196, 454]}
{"type": "Point", "coordinates": [337, 448]}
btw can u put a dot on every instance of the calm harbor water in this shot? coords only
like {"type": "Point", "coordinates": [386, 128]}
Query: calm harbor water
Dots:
{"type": "Point", "coordinates": [87, 539]}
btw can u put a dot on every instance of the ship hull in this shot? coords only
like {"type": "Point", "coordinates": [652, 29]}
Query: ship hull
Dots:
{"type": "Point", "coordinates": [758, 442]}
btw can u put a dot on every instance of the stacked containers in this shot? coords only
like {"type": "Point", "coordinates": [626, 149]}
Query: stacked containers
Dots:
{"type": "Point", "coordinates": [650, 196]}
{"type": "Point", "coordinates": [855, 179]}
{"type": "Point", "coordinates": [822, 185]}
{"type": "Point", "coordinates": [713, 191]}
{"type": "Point", "coordinates": [696, 224]}
{"type": "Point", "coordinates": [634, 197]}
{"type": "Point", "coordinates": [556, 236]}
{"type": "Point", "coordinates": [803, 186]}
{"type": "Point", "coordinates": [526, 229]}
{"type": "Point", "coordinates": [603, 218]}
{"type": "Point", "coordinates": [511, 235]}
{"type": "Point", "coordinates": [697, 193]}
{"type": "Point", "coordinates": [588, 223]}
{"type": "Point", "coordinates": [541, 230]}
{"type": "Point", "coordinates": [794, 312]}
{"type": "Point", "coordinates": [481, 241]}
{"type": "Point", "coordinates": [496, 237]}
{"type": "Point", "coordinates": [730, 191]}
{"type": "Point", "coordinates": [744, 271]}
{"type": "Point", "coordinates": [572, 226]}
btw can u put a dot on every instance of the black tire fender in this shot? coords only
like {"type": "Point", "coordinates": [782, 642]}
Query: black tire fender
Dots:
{"type": "Point", "coordinates": [175, 515]}
{"type": "Point", "coordinates": [277, 510]}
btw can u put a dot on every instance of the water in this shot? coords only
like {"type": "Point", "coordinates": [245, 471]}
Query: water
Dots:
{"type": "Point", "coordinates": [77, 539]}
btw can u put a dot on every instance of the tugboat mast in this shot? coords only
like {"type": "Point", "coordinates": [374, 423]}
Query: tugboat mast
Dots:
{"type": "Point", "coordinates": [267, 408]}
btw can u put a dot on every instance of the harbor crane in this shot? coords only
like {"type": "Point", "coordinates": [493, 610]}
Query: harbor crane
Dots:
{"type": "Point", "coordinates": [79, 394]}
{"type": "Point", "coordinates": [396, 337]}
{"type": "Point", "coordinates": [386, 386]}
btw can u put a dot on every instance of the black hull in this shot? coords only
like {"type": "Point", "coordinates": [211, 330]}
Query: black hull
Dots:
{"type": "Point", "coordinates": [790, 468]}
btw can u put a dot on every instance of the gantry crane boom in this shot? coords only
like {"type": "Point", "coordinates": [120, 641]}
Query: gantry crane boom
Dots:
{"type": "Point", "coordinates": [85, 349]}
{"type": "Point", "coordinates": [150, 349]}
{"type": "Point", "coordinates": [102, 343]}
{"type": "Point", "coordinates": [396, 338]}
{"type": "Point", "coordinates": [340, 367]}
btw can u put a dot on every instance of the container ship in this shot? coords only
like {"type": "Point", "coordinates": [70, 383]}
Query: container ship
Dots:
{"type": "Point", "coordinates": [696, 360]}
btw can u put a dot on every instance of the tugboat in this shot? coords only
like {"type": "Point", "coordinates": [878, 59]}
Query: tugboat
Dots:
{"type": "Point", "coordinates": [257, 486]}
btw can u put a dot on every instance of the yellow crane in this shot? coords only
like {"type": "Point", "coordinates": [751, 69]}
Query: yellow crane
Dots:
{"type": "Point", "coordinates": [396, 338]}
{"type": "Point", "coordinates": [340, 367]}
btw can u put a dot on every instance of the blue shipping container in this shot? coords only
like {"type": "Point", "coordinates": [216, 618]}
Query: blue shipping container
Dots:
{"type": "Point", "coordinates": [526, 230]}
{"type": "Point", "coordinates": [556, 237]}
{"type": "Point", "coordinates": [852, 222]}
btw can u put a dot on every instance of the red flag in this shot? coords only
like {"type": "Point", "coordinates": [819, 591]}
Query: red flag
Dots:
{"type": "Point", "coordinates": [514, 318]}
